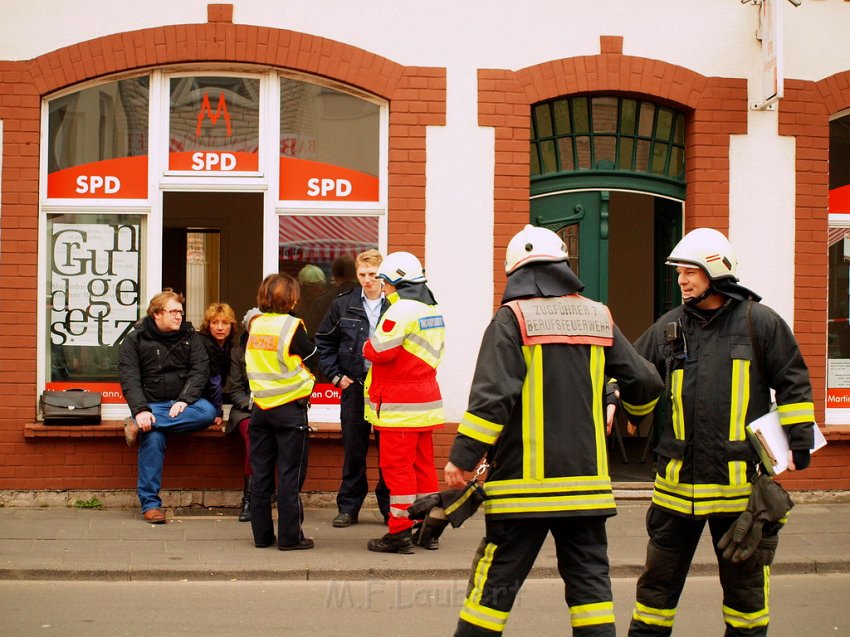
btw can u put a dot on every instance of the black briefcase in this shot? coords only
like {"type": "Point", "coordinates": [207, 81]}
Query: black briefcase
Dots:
{"type": "Point", "coordinates": [71, 407]}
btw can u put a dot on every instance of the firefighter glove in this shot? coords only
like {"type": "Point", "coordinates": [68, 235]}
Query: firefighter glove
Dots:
{"type": "Point", "coordinates": [754, 533]}
{"type": "Point", "coordinates": [419, 509]}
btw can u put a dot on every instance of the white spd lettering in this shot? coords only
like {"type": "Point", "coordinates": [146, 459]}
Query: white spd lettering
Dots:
{"type": "Point", "coordinates": [317, 187]}
{"type": "Point", "coordinates": [213, 161]}
{"type": "Point", "coordinates": [92, 184]}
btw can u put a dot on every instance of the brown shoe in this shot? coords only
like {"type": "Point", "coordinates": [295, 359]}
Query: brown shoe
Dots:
{"type": "Point", "coordinates": [154, 516]}
{"type": "Point", "coordinates": [131, 432]}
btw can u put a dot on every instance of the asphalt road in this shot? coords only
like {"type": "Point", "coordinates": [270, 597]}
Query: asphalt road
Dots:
{"type": "Point", "coordinates": [811, 605]}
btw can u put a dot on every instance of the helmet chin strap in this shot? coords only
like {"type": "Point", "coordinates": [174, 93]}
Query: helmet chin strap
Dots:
{"type": "Point", "coordinates": [696, 300]}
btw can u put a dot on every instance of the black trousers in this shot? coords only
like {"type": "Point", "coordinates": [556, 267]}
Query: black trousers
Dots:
{"type": "Point", "coordinates": [279, 440]}
{"type": "Point", "coordinates": [355, 441]}
{"type": "Point", "coordinates": [505, 557]}
{"type": "Point", "coordinates": [673, 541]}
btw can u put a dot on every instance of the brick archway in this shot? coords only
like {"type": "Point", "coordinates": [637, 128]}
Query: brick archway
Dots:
{"type": "Point", "coordinates": [717, 108]}
{"type": "Point", "coordinates": [417, 98]}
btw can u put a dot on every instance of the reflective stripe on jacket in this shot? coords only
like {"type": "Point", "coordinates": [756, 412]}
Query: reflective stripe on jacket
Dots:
{"type": "Point", "coordinates": [276, 376]}
{"type": "Point", "coordinates": [406, 349]}
{"type": "Point", "coordinates": [722, 372]}
{"type": "Point", "coordinates": [536, 407]}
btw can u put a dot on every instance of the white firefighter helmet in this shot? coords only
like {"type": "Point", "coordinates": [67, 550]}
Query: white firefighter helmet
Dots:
{"type": "Point", "coordinates": [708, 249]}
{"type": "Point", "coordinates": [534, 245]}
{"type": "Point", "coordinates": [401, 266]}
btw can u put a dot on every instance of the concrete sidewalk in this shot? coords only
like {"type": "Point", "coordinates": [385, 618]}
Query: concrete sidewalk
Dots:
{"type": "Point", "coordinates": [210, 544]}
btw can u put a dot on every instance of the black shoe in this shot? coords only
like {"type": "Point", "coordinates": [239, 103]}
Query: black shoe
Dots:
{"type": "Point", "coordinates": [265, 543]}
{"type": "Point", "coordinates": [303, 545]}
{"type": "Point", "coordinates": [343, 520]}
{"type": "Point", "coordinates": [392, 543]}
{"type": "Point", "coordinates": [245, 512]}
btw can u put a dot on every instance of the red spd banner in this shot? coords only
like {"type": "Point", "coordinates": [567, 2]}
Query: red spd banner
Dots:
{"type": "Point", "coordinates": [214, 161]}
{"type": "Point", "coordinates": [111, 392]}
{"type": "Point", "coordinates": [306, 180]}
{"type": "Point", "coordinates": [122, 178]}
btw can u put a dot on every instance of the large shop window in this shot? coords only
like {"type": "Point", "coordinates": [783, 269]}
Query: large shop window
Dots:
{"type": "Point", "coordinates": [329, 145]}
{"type": "Point", "coordinates": [94, 265]}
{"type": "Point", "coordinates": [838, 327]}
{"type": "Point", "coordinates": [123, 197]}
{"type": "Point", "coordinates": [97, 142]}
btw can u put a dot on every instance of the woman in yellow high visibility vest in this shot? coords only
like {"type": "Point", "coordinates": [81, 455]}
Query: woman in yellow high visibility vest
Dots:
{"type": "Point", "coordinates": [277, 348]}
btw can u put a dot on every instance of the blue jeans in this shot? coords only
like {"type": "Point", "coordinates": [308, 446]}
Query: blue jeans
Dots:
{"type": "Point", "coordinates": [195, 417]}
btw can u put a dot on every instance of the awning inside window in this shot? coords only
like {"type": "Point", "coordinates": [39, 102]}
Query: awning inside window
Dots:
{"type": "Point", "coordinates": [323, 239]}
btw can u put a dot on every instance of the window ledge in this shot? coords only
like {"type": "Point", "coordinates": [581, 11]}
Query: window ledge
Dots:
{"type": "Point", "coordinates": [115, 428]}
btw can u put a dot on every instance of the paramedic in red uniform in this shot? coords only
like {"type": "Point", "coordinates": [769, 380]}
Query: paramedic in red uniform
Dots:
{"type": "Point", "coordinates": [404, 401]}
{"type": "Point", "coordinates": [536, 410]}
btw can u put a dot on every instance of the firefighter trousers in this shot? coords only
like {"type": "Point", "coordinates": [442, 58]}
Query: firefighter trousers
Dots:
{"type": "Point", "coordinates": [505, 557]}
{"type": "Point", "coordinates": [673, 541]}
{"type": "Point", "coordinates": [407, 465]}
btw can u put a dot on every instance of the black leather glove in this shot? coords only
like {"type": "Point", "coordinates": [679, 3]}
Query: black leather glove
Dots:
{"type": "Point", "coordinates": [801, 457]}
{"type": "Point", "coordinates": [754, 533]}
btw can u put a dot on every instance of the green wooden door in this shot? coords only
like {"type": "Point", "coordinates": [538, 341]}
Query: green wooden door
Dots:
{"type": "Point", "coordinates": [581, 219]}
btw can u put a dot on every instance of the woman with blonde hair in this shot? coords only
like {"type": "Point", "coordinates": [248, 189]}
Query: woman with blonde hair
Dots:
{"type": "Point", "coordinates": [219, 330]}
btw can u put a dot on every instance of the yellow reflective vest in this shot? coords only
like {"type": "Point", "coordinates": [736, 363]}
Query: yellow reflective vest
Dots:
{"type": "Point", "coordinates": [276, 376]}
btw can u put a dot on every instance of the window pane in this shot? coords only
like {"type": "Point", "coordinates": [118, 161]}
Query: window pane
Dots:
{"type": "Point", "coordinates": [628, 117]}
{"type": "Point", "coordinates": [647, 111]}
{"type": "Point", "coordinates": [606, 146]}
{"type": "Point", "coordinates": [329, 137]}
{"type": "Point", "coordinates": [562, 117]}
{"type": "Point", "coordinates": [627, 146]}
{"type": "Point", "coordinates": [583, 151]}
{"type": "Point", "coordinates": [214, 124]}
{"type": "Point", "coordinates": [97, 142]}
{"type": "Point", "coordinates": [93, 285]}
{"type": "Point", "coordinates": [659, 157]}
{"type": "Point", "coordinates": [547, 156]}
{"type": "Point", "coordinates": [569, 235]}
{"type": "Point", "coordinates": [535, 160]}
{"type": "Point", "coordinates": [604, 115]}
{"type": "Point", "coordinates": [679, 134]}
{"type": "Point", "coordinates": [543, 120]}
{"type": "Point", "coordinates": [677, 162]}
{"type": "Point", "coordinates": [313, 248]}
{"type": "Point", "coordinates": [664, 126]}
{"type": "Point", "coordinates": [565, 151]}
{"type": "Point", "coordinates": [642, 159]}
{"type": "Point", "coordinates": [581, 118]}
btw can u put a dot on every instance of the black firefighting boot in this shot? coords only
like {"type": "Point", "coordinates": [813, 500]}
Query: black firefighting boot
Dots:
{"type": "Point", "coordinates": [392, 543]}
{"type": "Point", "coordinates": [245, 513]}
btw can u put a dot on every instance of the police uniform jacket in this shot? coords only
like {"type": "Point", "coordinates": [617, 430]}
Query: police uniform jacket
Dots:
{"type": "Point", "coordinates": [156, 366]}
{"type": "Point", "coordinates": [722, 367]}
{"type": "Point", "coordinates": [536, 407]}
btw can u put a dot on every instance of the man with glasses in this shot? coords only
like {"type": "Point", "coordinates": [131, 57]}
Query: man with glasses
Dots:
{"type": "Point", "coordinates": [349, 322]}
{"type": "Point", "coordinates": [163, 368]}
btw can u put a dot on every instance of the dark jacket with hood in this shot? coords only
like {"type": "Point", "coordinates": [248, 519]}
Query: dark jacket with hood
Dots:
{"type": "Point", "coordinates": [156, 366]}
{"type": "Point", "coordinates": [536, 406]}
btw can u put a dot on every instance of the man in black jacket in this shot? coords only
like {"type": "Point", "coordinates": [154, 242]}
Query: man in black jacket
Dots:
{"type": "Point", "coordinates": [163, 368]}
{"type": "Point", "coordinates": [349, 322]}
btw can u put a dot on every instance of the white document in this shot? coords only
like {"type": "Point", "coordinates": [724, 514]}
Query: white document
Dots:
{"type": "Point", "coordinates": [768, 437]}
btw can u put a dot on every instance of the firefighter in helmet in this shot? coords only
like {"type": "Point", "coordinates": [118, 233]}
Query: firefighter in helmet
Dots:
{"type": "Point", "coordinates": [536, 410]}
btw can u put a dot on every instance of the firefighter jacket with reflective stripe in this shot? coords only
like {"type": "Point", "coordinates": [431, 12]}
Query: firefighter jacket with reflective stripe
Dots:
{"type": "Point", "coordinates": [722, 368]}
{"type": "Point", "coordinates": [405, 351]}
{"type": "Point", "coordinates": [536, 407]}
{"type": "Point", "coordinates": [275, 374]}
